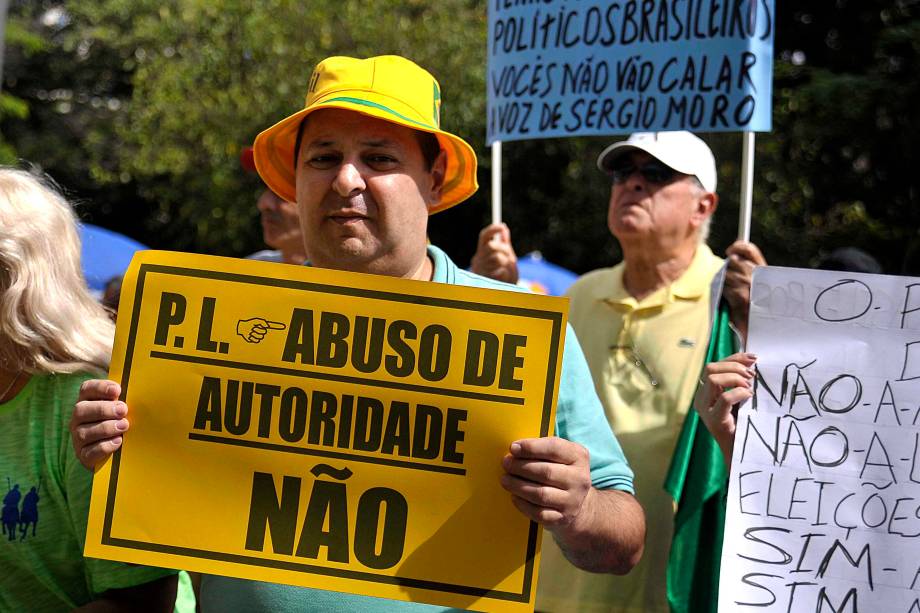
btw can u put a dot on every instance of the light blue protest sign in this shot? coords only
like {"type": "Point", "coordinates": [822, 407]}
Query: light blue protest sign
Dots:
{"type": "Point", "coordinates": [590, 67]}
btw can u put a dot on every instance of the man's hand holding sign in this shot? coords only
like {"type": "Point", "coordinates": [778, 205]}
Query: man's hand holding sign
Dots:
{"type": "Point", "coordinates": [363, 442]}
{"type": "Point", "coordinates": [550, 481]}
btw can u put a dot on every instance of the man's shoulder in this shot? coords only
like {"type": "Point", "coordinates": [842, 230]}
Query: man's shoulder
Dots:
{"type": "Point", "coordinates": [266, 255]}
{"type": "Point", "coordinates": [590, 283]}
{"type": "Point", "coordinates": [59, 386]}
{"type": "Point", "coordinates": [695, 281]}
{"type": "Point", "coordinates": [709, 260]}
{"type": "Point", "coordinates": [471, 279]}
{"type": "Point", "coordinates": [445, 271]}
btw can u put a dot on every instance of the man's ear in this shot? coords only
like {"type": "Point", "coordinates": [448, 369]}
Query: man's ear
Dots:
{"type": "Point", "coordinates": [437, 173]}
{"type": "Point", "coordinates": [706, 205]}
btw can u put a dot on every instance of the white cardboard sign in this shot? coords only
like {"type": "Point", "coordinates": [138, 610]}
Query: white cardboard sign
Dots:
{"type": "Point", "coordinates": [824, 496]}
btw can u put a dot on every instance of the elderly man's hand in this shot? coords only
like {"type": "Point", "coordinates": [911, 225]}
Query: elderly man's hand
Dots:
{"type": "Point", "coordinates": [495, 257]}
{"type": "Point", "coordinates": [743, 257]}
{"type": "Point", "coordinates": [98, 422]}
{"type": "Point", "coordinates": [724, 384]}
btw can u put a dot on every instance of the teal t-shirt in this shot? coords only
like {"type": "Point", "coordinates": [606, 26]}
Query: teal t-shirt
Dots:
{"type": "Point", "coordinates": [46, 495]}
{"type": "Point", "coordinates": [579, 418]}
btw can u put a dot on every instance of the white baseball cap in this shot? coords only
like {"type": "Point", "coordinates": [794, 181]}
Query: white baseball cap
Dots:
{"type": "Point", "coordinates": [682, 151]}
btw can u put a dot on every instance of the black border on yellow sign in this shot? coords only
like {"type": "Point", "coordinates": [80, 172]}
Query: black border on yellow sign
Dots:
{"type": "Point", "coordinates": [466, 590]}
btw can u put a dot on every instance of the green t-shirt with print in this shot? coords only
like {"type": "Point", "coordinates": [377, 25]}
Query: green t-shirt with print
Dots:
{"type": "Point", "coordinates": [45, 494]}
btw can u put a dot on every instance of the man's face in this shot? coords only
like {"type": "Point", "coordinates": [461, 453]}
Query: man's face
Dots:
{"type": "Point", "coordinates": [642, 208]}
{"type": "Point", "coordinates": [280, 222]}
{"type": "Point", "coordinates": [363, 192]}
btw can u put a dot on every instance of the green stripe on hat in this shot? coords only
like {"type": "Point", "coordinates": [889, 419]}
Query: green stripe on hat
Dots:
{"type": "Point", "coordinates": [361, 102]}
{"type": "Point", "coordinates": [436, 103]}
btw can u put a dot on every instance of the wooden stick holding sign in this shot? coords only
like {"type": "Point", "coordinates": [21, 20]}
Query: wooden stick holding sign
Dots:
{"type": "Point", "coordinates": [497, 182]}
{"type": "Point", "coordinates": [747, 187]}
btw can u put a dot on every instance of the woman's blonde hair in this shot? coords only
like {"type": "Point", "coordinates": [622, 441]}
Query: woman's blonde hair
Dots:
{"type": "Point", "coordinates": [49, 322]}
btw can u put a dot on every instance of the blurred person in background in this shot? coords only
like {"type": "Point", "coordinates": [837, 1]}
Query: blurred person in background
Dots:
{"type": "Point", "coordinates": [849, 259]}
{"type": "Point", "coordinates": [280, 223]}
{"type": "Point", "coordinates": [643, 325]}
{"type": "Point", "coordinates": [111, 296]}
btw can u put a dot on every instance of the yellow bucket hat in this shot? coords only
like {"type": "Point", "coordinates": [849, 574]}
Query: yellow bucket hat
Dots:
{"type": "Point", "coordinates": [387, 87]}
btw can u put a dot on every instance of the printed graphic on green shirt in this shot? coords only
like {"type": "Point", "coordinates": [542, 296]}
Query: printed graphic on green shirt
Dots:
{"type": "Point", "coordinates": [22, 518]}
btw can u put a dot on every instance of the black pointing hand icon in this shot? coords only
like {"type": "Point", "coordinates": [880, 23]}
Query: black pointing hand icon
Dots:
{"type": "Point", "coordinates": [254, 329]}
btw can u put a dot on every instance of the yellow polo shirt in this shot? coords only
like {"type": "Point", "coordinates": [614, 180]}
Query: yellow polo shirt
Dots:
{"type": "Point", "coordinates": [645, 358]}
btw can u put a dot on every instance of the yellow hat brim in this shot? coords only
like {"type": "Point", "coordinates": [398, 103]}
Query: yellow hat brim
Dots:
{"type": "Point", "coordinates": [274, 148]}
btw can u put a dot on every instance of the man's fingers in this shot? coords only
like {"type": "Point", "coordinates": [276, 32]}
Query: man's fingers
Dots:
{"type": "Point", "coordinates": [96, 441]}
{"type": "Point", "coordinates": [719, 409]}
{"type": "Point", "coordinates": [550, 449]}
{"type": "Point", "coordinates": [91, 456]}
{"type": "Point", "coordinates": [739, 274]}
{"type": "Point", "coordinates": [535, 493]}
{"type": "Point", "coordinates": [487, 234]}
{"type": "Point", "coordinates": [746, 251]}
{"type": "Point", "coordinates": [747, 359]}
{"type": "Point", "coordinates": [96, 425]}
{"type": "Point", "coordinates": [495, 259]}
{"type": "Point", "coordinates": [735, 372]}
{"type": "Point", "coordinates": [537, 471]}
{"type": "Point", "coordinates": [90, 411]}
{"type": "Point", "coordinates": [729, 366]}
{"type": "Point", "coordinates": [496, 268]}
{"type": "Point", "coordinates": [90, 434]}
{"type": "Point", "coordinates": [729, 379]}
{"type": "Point", "coordinates": [736, 368]}
{"type": "Point", "coordinates": [99, 389]}
{"type": "Point", "coordinates": [739, 268]}
{"type": "Point", "coordinates": [541, 515]}
{"type": "Point", "coordinates": [494, 255]}
{"type": "Point", "coordinates": [730, 398]}
{"type": "Point", "coordinates": [275, 325]}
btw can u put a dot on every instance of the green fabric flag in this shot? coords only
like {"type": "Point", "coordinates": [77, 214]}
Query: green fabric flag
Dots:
{"type": "Point", "coordinates": [698, 482]}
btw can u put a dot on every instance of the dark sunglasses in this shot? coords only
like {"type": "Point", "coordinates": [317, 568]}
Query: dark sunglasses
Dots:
{"type": "Point", "coordinates": [653, 172]}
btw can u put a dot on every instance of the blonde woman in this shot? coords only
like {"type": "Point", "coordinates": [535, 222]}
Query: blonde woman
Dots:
{"type": "Point", "coordinates": [53, 336]}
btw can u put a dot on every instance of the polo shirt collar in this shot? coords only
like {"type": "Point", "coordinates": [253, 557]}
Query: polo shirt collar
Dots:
{"type": "Point", "coordinates": [696, 280]}
{"type": "Point", "coordinates": [691, 285]}
{"type": "Point", "coordinates": [443, 269]}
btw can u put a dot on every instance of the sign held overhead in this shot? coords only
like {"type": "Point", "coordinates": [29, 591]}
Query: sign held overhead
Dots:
{"type": "Point", "coordinates": [565, 68]}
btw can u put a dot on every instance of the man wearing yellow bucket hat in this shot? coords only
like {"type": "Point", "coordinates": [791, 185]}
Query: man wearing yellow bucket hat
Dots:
{"type": "Point", "coordinates": [366, 162]}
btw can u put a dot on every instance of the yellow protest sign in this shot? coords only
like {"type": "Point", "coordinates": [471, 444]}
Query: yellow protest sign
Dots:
{"type": "Point", "coordinates": [331, 430]}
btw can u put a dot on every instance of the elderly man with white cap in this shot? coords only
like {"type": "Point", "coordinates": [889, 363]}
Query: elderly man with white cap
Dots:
{"type": "Point", "coordinates": [643, 325]}
{"type": "Point", "coordinates": [367, 162]}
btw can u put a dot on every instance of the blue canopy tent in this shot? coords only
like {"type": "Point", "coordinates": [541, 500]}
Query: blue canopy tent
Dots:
{"type": "Point", "coordinates": [105, 254]}
{"type": "Point", "coordinates": [543, 277]}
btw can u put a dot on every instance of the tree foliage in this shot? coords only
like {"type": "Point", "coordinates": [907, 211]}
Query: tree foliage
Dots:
{"type": "Point", "coordinates": [140, 108]}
